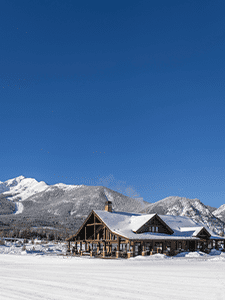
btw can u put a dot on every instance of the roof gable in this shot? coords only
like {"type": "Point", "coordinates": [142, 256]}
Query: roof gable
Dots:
{"type": "Point", "coordinates": [197, 231]}
{"type": "Point", "coordinates": [118, 221]}
{"type": "Point", "coordinates": [202, 232]}
{"type": "Point", "coordinates": [155, 221]}
{"type": "Point", "coordinates": [86, 229]}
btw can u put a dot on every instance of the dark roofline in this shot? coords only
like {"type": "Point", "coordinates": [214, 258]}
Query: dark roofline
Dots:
{"type": "Point", "coordinates": [155, 216]}
{"type": "Point", "coordinates": [203, 228]}
{"type": "Point", "coordinates": [76, 234]}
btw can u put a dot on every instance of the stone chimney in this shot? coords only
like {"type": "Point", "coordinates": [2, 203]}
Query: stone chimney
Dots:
{"type": "Point", "coordinates": [108, 206]}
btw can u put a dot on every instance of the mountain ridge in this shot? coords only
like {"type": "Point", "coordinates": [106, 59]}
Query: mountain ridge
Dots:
{"type": "Point", "coordinates": [31, 203]}
{"type": "Point", "coordinates": [192, 208]}
{"type": "Point", "coordinates": [220, 212]}
{"type": "Point", "coordinates": [54, 205]}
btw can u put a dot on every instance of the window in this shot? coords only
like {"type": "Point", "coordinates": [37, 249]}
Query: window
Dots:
{"type": "Point", "coordinates": [156, 229]}
{"type": "Point", "coordinates": [153, 228]}
{"type": "Point", "coordinates": [146, 229]}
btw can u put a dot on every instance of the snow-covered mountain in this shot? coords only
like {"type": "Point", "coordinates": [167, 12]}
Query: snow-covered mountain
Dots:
{"type": "Point", "coordinates": [192, 208]}
{"type": "Point", "coordinates": [31, 203]}
{"type": "Point", "coordinates": [220, 213]}
{"type": "Point", "coordinates": [17, 190]}
{"type": "Point", "coordinates": [20, 188]}
{"type": "Point", "coordinates": [211, 208]}
{"type": "Point", "coordinates": [36, 203]}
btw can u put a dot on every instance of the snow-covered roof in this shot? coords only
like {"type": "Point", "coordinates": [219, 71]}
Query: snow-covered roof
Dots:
{"type": "Point", "coordinates": [126, 224]}
{"type": "Point", "coordinates": [178, 222]}
{"type": "Point", "coordinates": [195, 230]}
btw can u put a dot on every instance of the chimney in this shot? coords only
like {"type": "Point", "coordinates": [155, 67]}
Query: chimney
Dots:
{"type": "Point", "coordinates": [108, 206]}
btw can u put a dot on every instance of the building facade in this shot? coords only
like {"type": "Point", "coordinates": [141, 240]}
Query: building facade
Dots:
{"type": "Point", "coordinates": [119, 234]}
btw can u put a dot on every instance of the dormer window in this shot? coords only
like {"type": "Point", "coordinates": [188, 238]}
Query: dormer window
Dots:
{"type": "Point", "coordinates": [155, 225]}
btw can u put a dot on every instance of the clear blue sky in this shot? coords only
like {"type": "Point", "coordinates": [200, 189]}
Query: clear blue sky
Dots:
{"type": "Point", "coordinates": [129, 94]}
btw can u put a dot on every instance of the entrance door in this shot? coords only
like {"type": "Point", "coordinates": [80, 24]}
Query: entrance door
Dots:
{"type": "Point", "coordinates": [192, 246]}
{"type": "Point", "coordinates": [137, 249]}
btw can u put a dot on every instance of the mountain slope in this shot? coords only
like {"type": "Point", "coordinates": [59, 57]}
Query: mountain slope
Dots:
{"type": "Point", "coordinates": [192, 208]}
{"type": "Point", "coordinates": [20, 188]}
{"type": "Point", "coordinates": [220, 213]}
{"type": "Point", "coordinates": [31, 203]}
{"type": "Point", "coordinates": [211, 208]}
{"type": "Point", "coordinates": [25, 202]}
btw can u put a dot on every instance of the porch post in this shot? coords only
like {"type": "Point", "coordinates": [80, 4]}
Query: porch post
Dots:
{"type": "Point", "coordinates": [75, 246]}
{"type": "Point", "coordinates": [81, 250]}
{"type": "Point", "coordinates": [143, 249]}
{"type": "Point", "coordinates": [196, 245]}
{"type": "Point", "coordinates": [98, 246]}
{"type": "Point", "coordinates": [216, 244]}
{"type": "Point", "coordinates": [183, 245]}
{"type": "Point", "coordinates": [104, 249]}
{"type": "Point", "coordinates": [173, 246]}
{"type": "Point", "coordinates": [133, 248]}
{"type": "Point", "coordinates": [128, 250]}
{"type": "Point", "coordinates": [163, 246]}
{"type": "Point", "coordinates": [94, 228]}
{"type": "Point", "coordinates": [69, 246]}
{"type": "Point", "coordinates": [118, 247]}
{"type": "Point", "coordinates": [153, 247]}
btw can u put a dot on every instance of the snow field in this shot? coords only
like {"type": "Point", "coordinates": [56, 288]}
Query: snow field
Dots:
{"type": "Point", "coordinates": [60, 277]}
{"type": "Point", "coordinates": [38, 248]}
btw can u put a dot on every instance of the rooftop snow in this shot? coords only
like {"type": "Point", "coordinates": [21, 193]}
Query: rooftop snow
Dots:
{"type": "Point", "coordinates": [125, 224]}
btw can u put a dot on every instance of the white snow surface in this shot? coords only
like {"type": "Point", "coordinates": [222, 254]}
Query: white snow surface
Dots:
{"type": "Point", "coordinates": [220, 209]}
{"type": "Point", "coordinates": [38, 248]}
{"type": "Point", "coordinates": [66, 186]}
{"type": "Point", "coordinates": [19, 208]}
{"type": "Point", "coordinates": [178, 222]}
{"type": "Point", "coordinates": [42, 274]}
{"type": "Point", "coordinates": [22, 188]}
{"type": "Point", "coordinates": [218, 212]}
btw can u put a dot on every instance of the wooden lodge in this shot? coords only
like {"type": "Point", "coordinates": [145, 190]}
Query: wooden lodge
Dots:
{"type": "Point", "coordinates": [110, 234]}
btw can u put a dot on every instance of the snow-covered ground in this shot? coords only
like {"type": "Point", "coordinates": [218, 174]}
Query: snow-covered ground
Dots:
{"type": "Point", "coordinates": [38, 248]}
{"type": "Point", "coordinates": [43, 274]}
